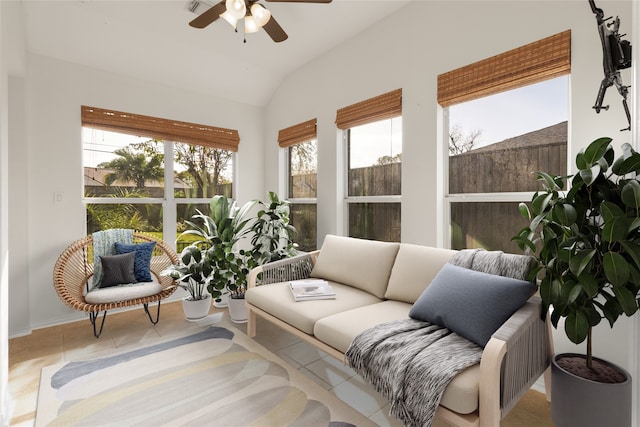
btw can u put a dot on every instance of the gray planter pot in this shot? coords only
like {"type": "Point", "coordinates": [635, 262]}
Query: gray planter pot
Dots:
{"type": "Point", "coordinates": [576, 401]}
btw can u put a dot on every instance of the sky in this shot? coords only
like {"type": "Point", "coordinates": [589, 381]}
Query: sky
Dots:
{"type": "Point", "coordinates": [515, 112]}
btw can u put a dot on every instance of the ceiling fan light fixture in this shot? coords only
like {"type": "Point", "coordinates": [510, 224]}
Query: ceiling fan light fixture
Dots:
{"type": "Point", "coordinates": [230, 19]}
{"type": "Point", "coordinates": [250, 24]}
{"type": "Point", "coordinates": [260, 13]}
{"type": "Point", "coordinates": [236, 8]}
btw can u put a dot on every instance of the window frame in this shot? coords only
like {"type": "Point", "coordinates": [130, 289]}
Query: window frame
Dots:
{"type": "Point", "coordinates": [212, 137]}
{"type": "Point", "coordinates": [557, 48]}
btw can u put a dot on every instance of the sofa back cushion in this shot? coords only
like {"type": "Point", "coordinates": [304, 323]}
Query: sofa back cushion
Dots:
{"type": "Point", "coordinates": [414, 269]}
{"type": "Point", "coordinates": [363, 264]}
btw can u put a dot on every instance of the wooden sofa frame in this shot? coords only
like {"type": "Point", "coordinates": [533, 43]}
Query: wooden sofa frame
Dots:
{"type": "Point", "coordinates": [513, 359]}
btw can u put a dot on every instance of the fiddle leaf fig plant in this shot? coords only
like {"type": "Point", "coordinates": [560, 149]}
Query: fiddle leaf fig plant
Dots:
{"type": "Point", "coordinates": [587, 240]}
{"type": "Point", "coordinates": [273, 235]}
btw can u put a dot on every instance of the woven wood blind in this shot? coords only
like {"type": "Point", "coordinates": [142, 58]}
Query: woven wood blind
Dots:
{"type": "Point", "coordinates": [385, 106]}
{"type": "Point", "coordinates": [153, 127]}
{"type": "Point", "coordinates": [297, 134]}
{"type": "Point", "coordinates": [532, 63]}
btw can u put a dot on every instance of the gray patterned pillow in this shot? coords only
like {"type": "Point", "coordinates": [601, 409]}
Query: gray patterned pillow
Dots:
{"type": "Point", "coordinates": [117, 270]}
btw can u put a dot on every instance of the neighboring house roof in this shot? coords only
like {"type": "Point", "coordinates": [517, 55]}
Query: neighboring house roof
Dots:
{"type": "Point", "coordinates": [556, 134]}
{"type": "Point", "coordinates": [96, 177]}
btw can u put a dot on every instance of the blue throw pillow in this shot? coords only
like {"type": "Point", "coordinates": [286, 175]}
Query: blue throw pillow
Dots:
{"type": "Point", "coordinates": [117, 270]}
{"type": "Point", "coordinates": [142, 265]}
{"type": "Point", "coordinates": [471, 303]}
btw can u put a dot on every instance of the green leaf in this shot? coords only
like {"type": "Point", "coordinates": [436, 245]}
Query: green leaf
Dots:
{"type": "Point", "coordinates": [630, 194]}
{"type": "Point", "coordinates": [633, 250]}
{"type": "Point", "coordinates": [524, 211]}
{"type": "Point", "coordinates": [610, 211]}
{"type": "Point", "coordinates": [615, 230]}
{"type": "Point", "coordinates": [590, 175]}
{"type": "Point", "coordinates": [576, 326]}
{"type": "Point", "coordinates": [628, 162]}
{"type": "Point", "coordinates": [580, 260]}
{"type": "Point", "coordinates": [616, 268]}
{"type": "Point", "coordinates": [550, 182]}
{"type": "Point", "coordinates": [589, 284]}
{"type": "Point", "coordinates": [565, 213]}
{"type": "Point", "coordinates": [574, 293]}
{"type": "Point", "coordinates": [595, 151]}
{"type": "Point", "coordinates": [626, 300]}
{"type": "Point", "coordinates": [540, 203]}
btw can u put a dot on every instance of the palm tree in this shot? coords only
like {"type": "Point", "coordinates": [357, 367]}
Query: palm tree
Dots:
{"type": "Point", "coordinates": [132, 166]}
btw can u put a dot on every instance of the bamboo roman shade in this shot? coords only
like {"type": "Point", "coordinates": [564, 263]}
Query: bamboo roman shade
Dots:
{"type": "Point", "coordinates": [385, 106]}
{"type": "Point", "coordinates": [297, 134]}
{"type": "Point", "coordinates": [532, 63]}
{"type": "Point", "coordinates": [153, 127]}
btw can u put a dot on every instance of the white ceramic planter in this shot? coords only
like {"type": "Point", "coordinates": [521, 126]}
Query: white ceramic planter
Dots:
{"type": "Point", "coordinates": [224, 301]}
{"type": "Point", "coordinates": [196, 310]}
{"type": "Point", "coordinates": [238, 310]}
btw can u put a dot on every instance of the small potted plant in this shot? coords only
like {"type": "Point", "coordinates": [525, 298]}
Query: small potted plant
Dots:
{"type": "Point", "coordinates": [587, 244]}
{"type": "Point", "coordinates": [193, 275]}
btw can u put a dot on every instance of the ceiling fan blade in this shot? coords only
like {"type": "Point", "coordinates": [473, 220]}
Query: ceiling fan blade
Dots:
{"type": "Point", "coordinates": [208, 16]}
{"type": "Point", "coordinates": [300, 1]}
{"type": "Point", "coordinates": [274, 30]}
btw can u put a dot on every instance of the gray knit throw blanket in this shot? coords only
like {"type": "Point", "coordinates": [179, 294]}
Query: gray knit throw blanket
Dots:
{"type": "Point", "coordinates": [412, 362]}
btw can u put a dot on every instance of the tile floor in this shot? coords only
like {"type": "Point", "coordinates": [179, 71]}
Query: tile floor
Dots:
{"type": "Point", "coordinates": [48, 346]}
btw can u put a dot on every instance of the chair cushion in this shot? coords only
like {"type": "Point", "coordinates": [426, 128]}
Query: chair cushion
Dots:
{"type": "Point", "coordinates": [123, 292]}
{"type": "Point", "coordinates": [471, 303]}
{"type": "Point", "coordinates": [414, 269]}
{"type": "Point", "coordinates": [143, 251]}
{"type": "Point", "coordinates": [117, 270]}
{"type": "Point", "coordinates": [277, 300]}
{"type": "Point", "coordinates": [362, 264]}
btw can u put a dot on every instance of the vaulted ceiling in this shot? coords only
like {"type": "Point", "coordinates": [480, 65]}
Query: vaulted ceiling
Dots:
{"type": "Point", "coordinates": [151, 39]}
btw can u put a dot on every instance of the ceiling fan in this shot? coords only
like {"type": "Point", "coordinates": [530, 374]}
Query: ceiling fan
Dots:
{"type": "Point", "coordinates": [254, 15]}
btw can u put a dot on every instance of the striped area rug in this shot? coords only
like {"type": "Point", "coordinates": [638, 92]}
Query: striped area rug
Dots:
{"type": "Point", "coordinates": [216, 377]}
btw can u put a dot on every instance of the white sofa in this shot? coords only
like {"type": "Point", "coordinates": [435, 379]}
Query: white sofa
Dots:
{"type": "Point", "coordinates": [378, 282]}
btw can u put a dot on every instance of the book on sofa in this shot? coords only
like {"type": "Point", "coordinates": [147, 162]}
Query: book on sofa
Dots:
{"type": "Point", "coordinates": [311, 289]}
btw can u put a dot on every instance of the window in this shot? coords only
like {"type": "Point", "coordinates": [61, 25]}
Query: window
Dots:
{"type": "Point", "coordinates": [130, 184]}
{"type": "Point", "coordinates": [301, 145]}
{"type": "Point", "coordinates": [507, 118]}
{"type": "Point", "coordinates": [373, 140]}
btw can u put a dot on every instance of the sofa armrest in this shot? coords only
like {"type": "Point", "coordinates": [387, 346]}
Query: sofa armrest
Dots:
{"type": "Point", "coordinates": [294, 268]}
{"type": "Point", "coordinates": [513, 359]}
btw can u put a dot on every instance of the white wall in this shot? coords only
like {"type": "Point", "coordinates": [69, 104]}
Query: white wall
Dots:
{"type": "Point", "coordinates": [408, 50]}
{"type": "Point", "coordinates": [53, 163]}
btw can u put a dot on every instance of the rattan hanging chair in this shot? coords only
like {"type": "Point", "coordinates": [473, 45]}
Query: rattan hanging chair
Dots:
{"type": "Point", "coordinates": [73, 272]}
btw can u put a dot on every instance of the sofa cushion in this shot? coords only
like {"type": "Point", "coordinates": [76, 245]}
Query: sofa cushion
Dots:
{"type": "Point", "coordinates": [276, 299]}
{"type": "Point", "coordinates": [362, 264]}
{"type": "Point", "coordinates": [340, 329]}
{"type": "Point", "coordinates": [414, 269]}
{"type": "Point", "coordinates": [471, 303]}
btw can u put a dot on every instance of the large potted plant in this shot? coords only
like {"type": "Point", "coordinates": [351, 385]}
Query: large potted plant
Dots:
{"type": "Point", "coordinates": [273, 235]}
{"type": "Point", "coordinates": [220, 232]}
{"type": "Point", "coordinates": [193, 274]}
{"type": "Point", "coordinates": [587, 243]}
